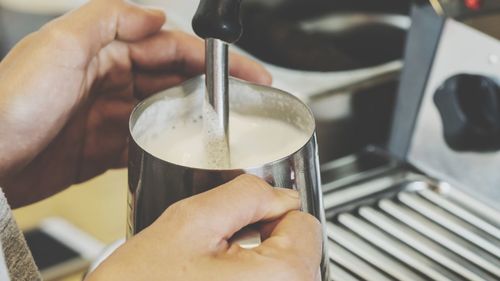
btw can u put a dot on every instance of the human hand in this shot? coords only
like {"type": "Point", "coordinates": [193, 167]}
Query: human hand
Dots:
{"type": "Point", "coordinates": [189, 242]}
{"type": "Point", "coordinates": [66, 93]}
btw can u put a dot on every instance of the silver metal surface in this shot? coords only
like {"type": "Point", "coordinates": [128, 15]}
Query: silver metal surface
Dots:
{"type": "Point", "coordinates": [217, 95]}
{"type": "Point", "coordinates": [387, 74]}
{"type": "Point", "coordinates": [344, 258]}
{"type": "Point", "coordinates": [367, 164]}
{"type": "Point", "coordinates": [340, 22]}
{"type": "Point", "coordinates": [155, 184]}
{"type": "Point", "coordinates": [369, 253]}
{"type": "Point", "coordinates": [413, 229]}
{"type": "Point", "coordinates": [362, 190]}
{"type": "Point", "coordinates": [474, 173]}
{"type": "Point", "coordinates": [438, 7]}
{"type": "Point", "coordinates": [440, 223]}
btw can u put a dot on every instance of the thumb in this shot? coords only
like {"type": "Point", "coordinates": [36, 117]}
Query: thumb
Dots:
{"type": "Point", "coordinates": [99, 22]}
{"type": "Point", "coordinates": [283, 243]}
{"type": "Point", "coordinates": [221, 212]}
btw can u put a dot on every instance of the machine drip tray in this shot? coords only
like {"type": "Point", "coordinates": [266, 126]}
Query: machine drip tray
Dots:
{"type": "Point", "coordinates": [404, 226]}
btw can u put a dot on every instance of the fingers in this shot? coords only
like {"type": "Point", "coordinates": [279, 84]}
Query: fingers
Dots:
{"type": "Point", "coordinates": [296, 236]}
{"type": "Point", "coordinates": [171, 50]}
{"type": "Point", "coordinates": [135, 22]}
{"type": "Point", "coordinates": [295, 226]}
{"type": "Point", "coordinates": [221, 212]}
{"type": "Point", "coordinates": [146, 84]}
{"type": "Point", "coordinates": [99, 22]}
{"type": "Point", "coordinates": [167, 50]}
{"type": "Point", "coordinates": [249, 70]}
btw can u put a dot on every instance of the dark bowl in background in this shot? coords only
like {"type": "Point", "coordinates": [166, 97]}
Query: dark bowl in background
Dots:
{"type": "Point", "coordinates": [275, 33]}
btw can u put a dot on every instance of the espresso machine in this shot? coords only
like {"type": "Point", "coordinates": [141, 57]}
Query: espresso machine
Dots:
{"type": "Point", "coordinates": [427, 207]}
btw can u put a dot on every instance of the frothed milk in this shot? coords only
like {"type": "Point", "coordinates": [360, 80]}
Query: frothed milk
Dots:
{"type": "Point", "coordinates": [253, 141]}
{"type": "Point", "coordinates": [216, 144]}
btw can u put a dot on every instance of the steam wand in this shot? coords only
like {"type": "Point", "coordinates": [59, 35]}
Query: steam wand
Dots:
{"type": "Point", "coordinates": [218, 22]}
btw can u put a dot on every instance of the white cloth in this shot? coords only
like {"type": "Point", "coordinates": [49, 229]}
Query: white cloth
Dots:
{"type": "Point", "coordinates": [16, 260]}
{"type": "Point", "coordinates": [4, 272]}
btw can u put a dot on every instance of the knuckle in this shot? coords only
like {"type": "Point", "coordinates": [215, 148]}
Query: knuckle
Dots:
{"type": "Point", "coordinates": [178, 210]}
{"type": "Point", "coordinates": [255, 187]}
{"type": "Point", "coordinates": [285, 243]}
{"type": "Point", "coordinates": [307, 219]}
{"type": "Point", "coordinates": [247, 178]}
{"type": "Point", "coordinates": [254, 182]}
{"type": "Point", "coordinates": [312, 220]}
{"type": "Point", "coordinates": [185, 216]}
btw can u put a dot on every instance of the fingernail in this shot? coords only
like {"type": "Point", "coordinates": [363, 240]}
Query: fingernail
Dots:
{"type": "Point", "coordinates": [155, 11]}
{"type": "Point", "coordinates": [289, 192]}
{"type": "Point", "coordinates": [269, 79]}
{"type": "Point", "coordinates": [266, 79]}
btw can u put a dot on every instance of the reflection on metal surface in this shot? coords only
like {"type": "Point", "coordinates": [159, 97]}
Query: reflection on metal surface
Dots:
{"type": "Point", "coordinates": [436, 4]}
{"type": "Point", "coordinates": [459, 211]}
{"type": "Point", "coordinates": [343, 22]}
{"type": "Point", "coordinates": [442, 221]}
{"type": "Point", "coordinates": [399, 250]}
{"type": "Point", "coordinates": [362, 190]}
{"type": "Point", "coordinates": [370, 253]}
{"type": "Point", "coordinates": [441, 236]}
{"type": "Point", "coordinates": [353, 263]}
{"type": "Point", "coordinates": [413, 229]}
{"type": "Point", "coordinates": [451, 222]}
{"type": "Point", "coordinates": [155, 184]}
{"type": "Point", "coordinates": [387, 73]}
{"type": "Point", "coordinates": [339, 273]}
{"type": "Point", "coordinates": [217, 94]}
{"type": "Point", "coordinates": [472, 171]}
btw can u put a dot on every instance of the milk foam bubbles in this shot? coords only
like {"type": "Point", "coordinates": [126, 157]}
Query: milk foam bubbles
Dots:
{"type": "Point", "coordinates": [253, 141]}
{"type": "Point", "coordinates": [216, 143]}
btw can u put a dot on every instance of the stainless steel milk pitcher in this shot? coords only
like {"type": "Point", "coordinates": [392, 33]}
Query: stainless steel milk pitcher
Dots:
{"type": "Point", "coordinates": [155, 184]}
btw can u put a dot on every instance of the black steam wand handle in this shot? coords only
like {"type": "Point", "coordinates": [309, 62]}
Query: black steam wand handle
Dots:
{"type": "Point", "coordinates": [218, 19]}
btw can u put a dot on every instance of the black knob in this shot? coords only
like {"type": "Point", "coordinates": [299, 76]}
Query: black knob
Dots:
{"type": "Point", "coordinates": [469, 106]}
{"type": "Point", "coordinates": [219, 19]}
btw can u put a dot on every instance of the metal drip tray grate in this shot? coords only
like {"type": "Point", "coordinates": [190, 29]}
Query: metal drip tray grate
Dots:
{"type": "Point", "coordinates": [410, 230]}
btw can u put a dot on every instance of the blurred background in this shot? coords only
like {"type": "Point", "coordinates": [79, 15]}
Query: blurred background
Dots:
{"type": "Point", "coordinates": [97, 207]}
